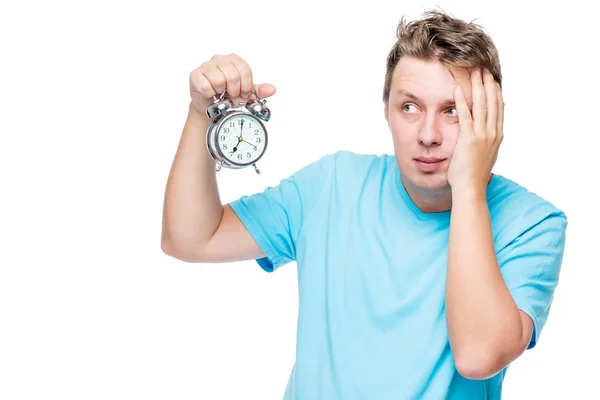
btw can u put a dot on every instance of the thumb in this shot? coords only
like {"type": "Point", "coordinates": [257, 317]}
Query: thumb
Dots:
{"type": "Point", "coordinates": [264, 90]}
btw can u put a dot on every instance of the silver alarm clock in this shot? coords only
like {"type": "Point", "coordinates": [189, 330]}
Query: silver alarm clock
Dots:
{"type": "Point", "coordinates": [236, 137]}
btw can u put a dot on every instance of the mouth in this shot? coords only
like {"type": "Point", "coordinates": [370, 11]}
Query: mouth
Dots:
{"type": "Point", "coordinates": [429, 164]}
{"type": "Point", "coordinates": [429, 160]}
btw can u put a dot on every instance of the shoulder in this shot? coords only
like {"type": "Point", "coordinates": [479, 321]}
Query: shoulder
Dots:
{"type": "Point", "coordinates": [347, 172]}
{"type": "Point", "coordinates": [509, 197]}
{"type": "Point", "coordinates": [341, 169]}
{"type": "Point", "coordinates": [347, 162]}
{"type": "Point", "coordinates": [514, 209]}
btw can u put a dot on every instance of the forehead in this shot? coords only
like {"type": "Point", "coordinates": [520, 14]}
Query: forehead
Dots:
{"type": "Point", "coordinates": [428, 79]}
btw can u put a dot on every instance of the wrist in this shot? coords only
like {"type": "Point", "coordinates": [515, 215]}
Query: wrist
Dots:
{"type": "Point", "coordinates": [471, 190]}
{"type": "Point", "coordinates": [193, 113]}
{"type": "Point", "coordinates": [468, 194]}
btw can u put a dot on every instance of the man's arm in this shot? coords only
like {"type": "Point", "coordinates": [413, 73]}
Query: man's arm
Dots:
{"type": "Point", "coordinates": [486, 329]}
{"type": "Point", "coordinates": [196, 227]}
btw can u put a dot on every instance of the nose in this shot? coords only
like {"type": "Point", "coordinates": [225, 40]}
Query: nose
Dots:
{"type": "Point", "coordinates": [430, 134]}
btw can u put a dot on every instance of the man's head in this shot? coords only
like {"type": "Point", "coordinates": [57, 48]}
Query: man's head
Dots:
{"type": "Point", "coordinates": [431, 56]}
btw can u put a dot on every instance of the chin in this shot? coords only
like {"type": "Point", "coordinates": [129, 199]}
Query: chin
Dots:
{"type": "Point", "coordinates": [431, 182]}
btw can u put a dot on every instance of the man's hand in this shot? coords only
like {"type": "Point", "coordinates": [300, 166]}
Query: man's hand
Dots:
{"type": "Point", "coordinates": [486, 329]}
{"type": "Point", "coordinates": [480, 135]}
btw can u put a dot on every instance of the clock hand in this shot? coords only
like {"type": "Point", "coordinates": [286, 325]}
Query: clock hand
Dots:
{"type": "Point", "coordinates": [250, 144]}
{"type": "Point", "coordinates": [239, 141]}
{"type": "Point", "coordinates": [239, 138]}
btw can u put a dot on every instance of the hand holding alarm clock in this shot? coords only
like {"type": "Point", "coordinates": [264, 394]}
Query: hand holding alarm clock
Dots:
{"type": "Point", "coordinates": [222, 90]}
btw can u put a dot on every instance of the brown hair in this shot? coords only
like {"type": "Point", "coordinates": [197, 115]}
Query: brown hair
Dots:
{"type": "Point", "coordinates": [438, 36]}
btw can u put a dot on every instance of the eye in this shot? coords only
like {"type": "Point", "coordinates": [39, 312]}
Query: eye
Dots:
{"type": "Point", "coordinates": [455, 111]}
{"type": "Point", "coordinates": [407, 105]}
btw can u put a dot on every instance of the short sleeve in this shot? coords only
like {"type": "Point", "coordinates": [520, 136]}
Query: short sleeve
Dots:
{"type": "Point", "coordinates": [274, 217]}
{"type": "Point", "coordinates": [531, 267]}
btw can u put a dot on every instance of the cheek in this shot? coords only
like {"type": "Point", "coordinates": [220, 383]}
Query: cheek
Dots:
{"type": "Point", "coordinates": [452, 137]}
{"type": "Point", "coordinates": [402, 131]}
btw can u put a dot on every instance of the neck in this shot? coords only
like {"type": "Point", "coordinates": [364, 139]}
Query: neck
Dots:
{"type": "Point", "coordinates": [431, 201]}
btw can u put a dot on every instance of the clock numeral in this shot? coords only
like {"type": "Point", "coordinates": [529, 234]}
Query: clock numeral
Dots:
{"type": "Point", "coordinates": [239, 156]}
{"type": "Point", "coordinates": [232, 124]}
{"type": "Point", "coordinates": [248, 155]}
{"type": "Point", "coordinates": [256, 131]}
{"type": "Point", "coordinates": [257, 140]}
{"type": "Point", "coordinates": [224, 147]}
{"type": "Point", "coordinates": [250, 125]}
{"type": "Point", "coordinates": [222, 137]}
{"type": "Point", "coordinates": [226, 130]}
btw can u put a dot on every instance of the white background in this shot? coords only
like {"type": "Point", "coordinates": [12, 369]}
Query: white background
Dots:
{"type": "Point", "coordinates": [93, 98]}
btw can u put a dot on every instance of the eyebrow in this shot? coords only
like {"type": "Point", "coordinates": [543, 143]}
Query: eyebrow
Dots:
{"type": "Point", "coordinates": [449, 102]}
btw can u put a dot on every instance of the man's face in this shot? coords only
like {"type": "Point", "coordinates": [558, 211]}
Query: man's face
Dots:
{"type": "Point", "coordinates": [423, 120]}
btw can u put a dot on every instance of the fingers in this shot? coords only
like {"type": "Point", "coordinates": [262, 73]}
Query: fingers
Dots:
{"type": "Point", "coordinates": [479, 103]}
{"type": "Point", "coordinates": [232, 78]}
{"type": "Point", "coordinates": [464, 114]}
{"type": "Point", "coordinates": [488, 105]}
{"type": "Point", "coordinates": [500, 118]}
{"type": "Point", "coordinates": [201, 84]}
{"type": "Point", "coordinates": [245, 73]}
{"type": "Point", "coordinates": [492, 108]}
{"type": "Point", "coordinates": [215, 79]}
{"type": "Point", "coordinates": [223, 72]}
{"type": "Point", "coordinates": [264, 90]}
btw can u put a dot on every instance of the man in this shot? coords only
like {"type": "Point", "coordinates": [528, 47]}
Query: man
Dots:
{"type": "Point", "coordinates": [421, 275]}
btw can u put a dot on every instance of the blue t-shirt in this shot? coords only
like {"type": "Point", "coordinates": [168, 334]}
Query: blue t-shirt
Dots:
{"type": "Point", "coordinates": [371, 276]}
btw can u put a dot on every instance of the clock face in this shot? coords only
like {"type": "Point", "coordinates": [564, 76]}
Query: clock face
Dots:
{"type": "Point", "coordinates": [241, 139]}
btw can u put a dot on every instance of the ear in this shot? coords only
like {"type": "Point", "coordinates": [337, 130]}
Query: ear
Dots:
{"type": "Point", "coordinates": [385, 113]}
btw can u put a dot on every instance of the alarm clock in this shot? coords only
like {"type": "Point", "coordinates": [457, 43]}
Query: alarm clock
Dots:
{"type": "Point", "coordinates": [236, 137]}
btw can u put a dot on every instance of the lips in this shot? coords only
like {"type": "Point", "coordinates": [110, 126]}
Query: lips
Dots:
{"type": "Point", "coordinates": [429, 160]}
{"type": "Point", "coordinates": [429, 164]}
